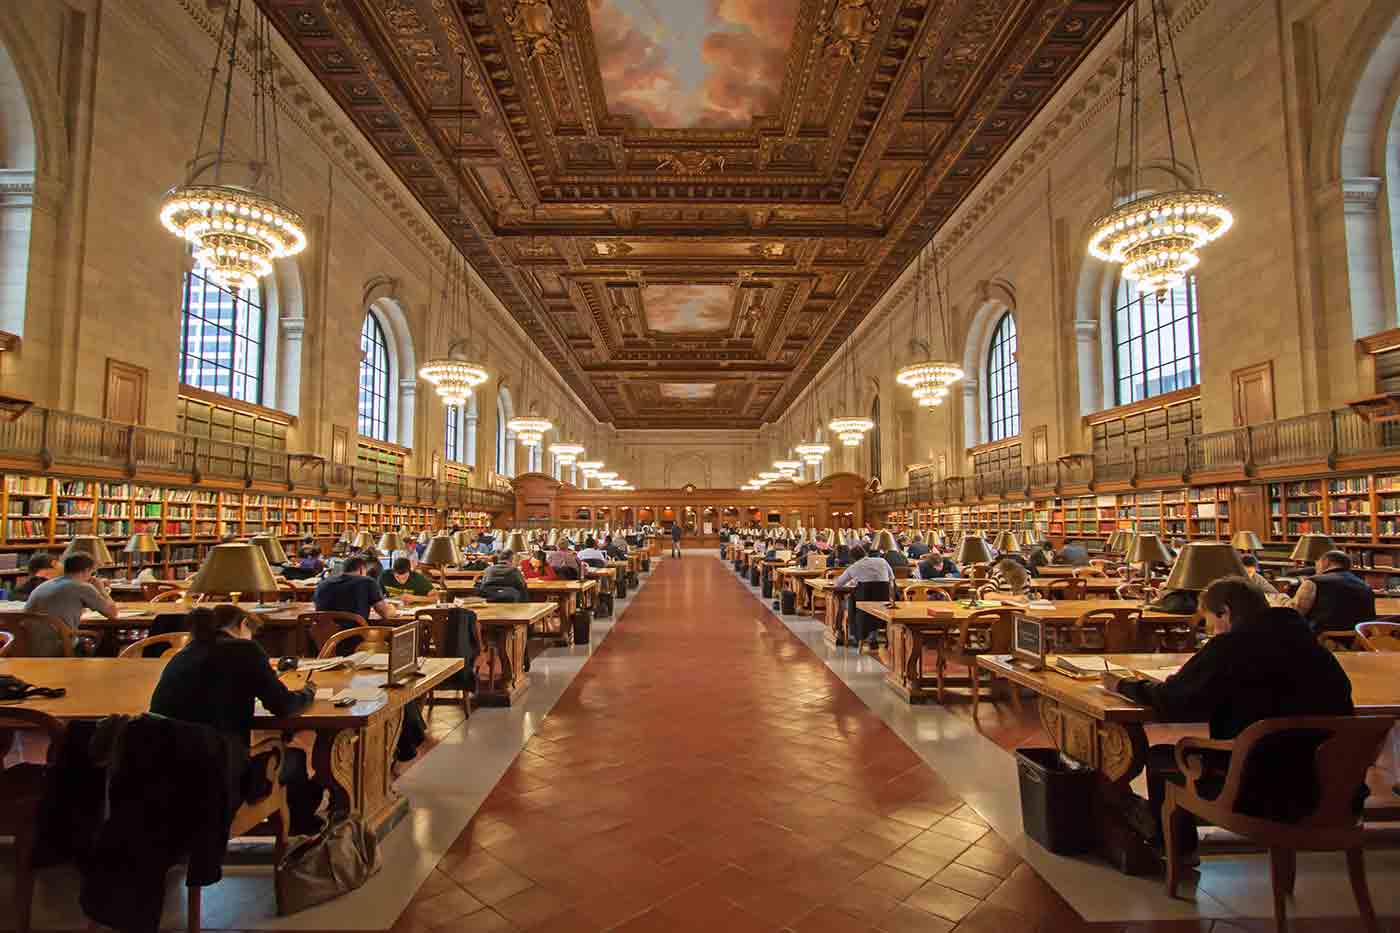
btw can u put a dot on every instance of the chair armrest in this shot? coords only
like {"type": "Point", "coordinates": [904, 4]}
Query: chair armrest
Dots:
{"type": "Point", "coordinates": [1193, 768]}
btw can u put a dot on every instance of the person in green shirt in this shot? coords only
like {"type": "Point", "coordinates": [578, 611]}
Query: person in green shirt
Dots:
{"type": "Point", "coordinates": [403, 579]}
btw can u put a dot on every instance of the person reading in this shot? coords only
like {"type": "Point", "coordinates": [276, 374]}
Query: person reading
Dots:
{"type": "Point", "coordinates": [403, 580]}
{"type": "Point", "coordinates": [536, 567]}
{"type": "Point", "coordinates": [215, 681]}
{"type": "Point", "coordinates": [935, 566]}
{"type": "Point", "coordinates": [1261, 663]}
{"type": "Point", "coordinates": [1255, 578]}
{"type": "Point", "coordinates": [592, 555]}
{"type": "Point", "coordinates": [565, 563]}
{"type": "Point", "coordinates": [864, 569]}
{"type": "Point", "coordinates": [42, 568]}
{"type": "Point", "coordinates": [353, 590]}
{"type": "Point", "coordinates": [1334, 599]}
{"type": "Point", "coordinates": [65, 598]}
{"type": "Point", "coordinates": [503, 582]}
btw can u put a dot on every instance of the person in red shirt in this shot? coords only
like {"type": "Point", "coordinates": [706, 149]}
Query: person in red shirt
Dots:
{"type": "Point", "coordinates": [535, 567]}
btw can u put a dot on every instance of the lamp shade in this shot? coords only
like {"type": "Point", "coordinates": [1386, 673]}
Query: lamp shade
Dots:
{"type": "Point", "coordinates": [363, 540]}
{"type": "Point", "coordinates": [1111, 546]}
{"type": "Point", "coordinates": [1201, 563]}
{"type": "Point", "coordinates": [441, 552]}
{"type": "Point", "coordinates": [463, 540]}
{"type": "Point", "coordinates": [973, 550]}
{"type": "Point", "coordinates": [141, 543]}
{"type": "Point", "coordinates": [390, 541]}
{"type": "Point", "coordinates": [1148, 548]}
{"type": "Point", "coordinates": [1308, 549]}
{"type": "Point", "coordinates": [1006, 543]}
{"type": "Point", "coordinates": [90, 545]}
{"type": "Point", "coordinates": [553, 537]}
{"type": "Point", "coordinates": [271, 548]}
{"type": "Point", "coordinates": [1245, 541]}
{"type": "Point", "coordinates": [516, 543]}
{"type": "Point", "coordinates": [884, 541]}
{"type": "Point", "coordinates": [234, 568]}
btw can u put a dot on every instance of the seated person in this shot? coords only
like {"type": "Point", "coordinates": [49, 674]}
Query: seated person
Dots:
{"type": "Point", "coordinates": [886, 547]}
{"type": "Point", "coordinates": [1254, 577]}
{"type": "Point", "coordinates": [917, 547]}
{"type": "Point", "coordinates": [65, 598]}
{"type": "Point", "coordinates": [1042, 555]}
{"type": "Point", "coordinates": [42, 568]}
{"type": "Point", "coordinates": [615, 547]}
{"type": "Point", "coordinates": [840, 558]}
{"type": "Point", "coordinates": [592, 555]}
{"type": "Point", "coordinates": [1009, 575]}
{"type": "Point", "coordinates": [215, 681]}
{"type": "Point", "coordinates": [864, 569]}
{"type": "Point", "coordinates": [936, 566]}
{"type": "Point", "coordinates": [536, 567]}
{"type": "Point", "coordinates": [403, 580]}
{"type": "Point", "coordinates": [1075, 554]}
{"type": "Point", "coordinates": [1334, 599]}
{"type": "Point", "coordinates": [1261, 663]}
{"type": "Point", "coordinates": [565, 563]}
{"type": "Point", "coordinates": [503, 582]}
{"type": "Point", "coordinates": [311, 560]}
{"type": "Point", "coordinates": [353, 590]}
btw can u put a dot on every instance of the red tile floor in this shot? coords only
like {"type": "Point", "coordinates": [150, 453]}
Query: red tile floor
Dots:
{"type": "Point", "coordinates": [705, 771]}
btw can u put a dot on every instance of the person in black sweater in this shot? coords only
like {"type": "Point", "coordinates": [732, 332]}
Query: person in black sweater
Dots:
{"type": "Point", "coordinates": [215, 680]}
{"type": "Point", "coordinates": [935, 565]}
{"type": "Point", "coordinates": [1261, 663]}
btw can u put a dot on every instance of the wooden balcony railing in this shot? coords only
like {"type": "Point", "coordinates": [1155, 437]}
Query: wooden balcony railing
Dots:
{"type": "Point", "coordinates": [1325, 438]}
{"type": "Point", "coordinates": [59, 440]}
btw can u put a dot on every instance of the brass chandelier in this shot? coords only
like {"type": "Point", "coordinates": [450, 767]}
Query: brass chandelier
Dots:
{"type": "Point", "coordinates": [455, 378]}
{"type": "Point", "coordinates": [850, 428]}
{"type": "Point", "coordinates": [236, 231]}
{"type": "Point", "coordinates": [929, 379]}
{"type": "Point", "coordinates": [531, 428]}
{"type": "Point", "coordinates": [812, 452]}
{"type": "Point", "coordinates": [1155, 237]}
{"type": "Point", "coordinates": [565, 453]}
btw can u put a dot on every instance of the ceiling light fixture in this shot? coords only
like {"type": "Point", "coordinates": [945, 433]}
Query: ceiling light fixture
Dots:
{"type": "Point", "coordinates": [236, 231]}
{"type": "Point", "coordinates": [566, 454]}
{"type": "Point", "coordinates": [929, 378]}
{"type": "Point", "coordinates": [850, 428]}
{"type": "Point", "coordinates": [530, 429]}
{"type": "Point", "coordinates": [1154, 236]}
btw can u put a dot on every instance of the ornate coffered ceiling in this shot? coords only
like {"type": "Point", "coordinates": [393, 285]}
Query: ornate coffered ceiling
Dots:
{"type": "Point", "coordinates": [690, 204]}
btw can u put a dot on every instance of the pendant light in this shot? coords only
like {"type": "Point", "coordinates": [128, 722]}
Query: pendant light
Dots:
{"type": "Point", "coordinates": [531, 428]}
{"type": "Point", "coordinates": [236, 231]}
{"type": "Point", "coordinates": [1154, 237]}
{"type": "Point", "coordinates": [850, 428]}
{"type": "Point", "coordinates": [813, 452]}
{"type": "Point", "coordinates": [455, 378]}
{"type": "Point", "coordinates": [929, 378]}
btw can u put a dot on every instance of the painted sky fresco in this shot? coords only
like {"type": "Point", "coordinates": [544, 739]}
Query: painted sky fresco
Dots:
{"type": "Point", "coordinates": [687, 391]}
{"type": "Point", "coordinates": [677, 64]}
{"type": "Point", "coordinates": [688, 309]}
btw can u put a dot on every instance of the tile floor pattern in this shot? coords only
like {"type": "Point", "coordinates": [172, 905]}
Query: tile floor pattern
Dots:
{"type": "Point", "coordinates": [705, 771]}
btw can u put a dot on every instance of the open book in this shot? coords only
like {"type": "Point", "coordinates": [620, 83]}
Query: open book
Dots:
{"type": "Point", "coordinates": [1087, 666]}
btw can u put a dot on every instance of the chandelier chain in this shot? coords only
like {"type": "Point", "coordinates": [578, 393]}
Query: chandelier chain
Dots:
{"type": "Point", "coordinates": [228, 91]}
{"type": "Point", "coordinates": [1185, 110]}
{"type": "Point", "coordinates": [1166, 94]}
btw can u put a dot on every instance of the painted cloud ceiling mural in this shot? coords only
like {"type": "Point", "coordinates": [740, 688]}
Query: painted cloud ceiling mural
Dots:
{"type": "Point", "coordinates": [688, 309]}
{"type": "Point", "coordinates": [678, 64]}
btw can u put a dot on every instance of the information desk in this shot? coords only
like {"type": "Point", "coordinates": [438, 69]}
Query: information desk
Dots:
{"type": "Point", "coordinates": [353, 755]}
{"type": "Point", "coordinates": [1105, 731]}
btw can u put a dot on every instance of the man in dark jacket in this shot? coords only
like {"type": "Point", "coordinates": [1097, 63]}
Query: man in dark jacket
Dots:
{"type": "Point", "coordinates": [1334, 599]}
{"type": "Point", "coordinates": [935, 566]}
{"type": "Point", "coordinates": [676, 539]}
{"type": "Point", "coordinates": [1262, 663]}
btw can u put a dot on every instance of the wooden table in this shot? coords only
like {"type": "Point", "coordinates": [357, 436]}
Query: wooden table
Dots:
{"type": "Point", "coordinates": [1102, 585]}
{"type": "Point", "coordinates": [354, 751]}
{"type": "Point", "coordinates": [834, 618]}
{"type": "Point", "coordinates": [790, 578]}
{"type": "Point", "coordinates": [911, 632]}
{"type": "Point", "coordinates": [569, 596]}
{"type": "Point", "coordinates": [505, 628]}
{"type": "Point", "coordinates": [1106, 732]}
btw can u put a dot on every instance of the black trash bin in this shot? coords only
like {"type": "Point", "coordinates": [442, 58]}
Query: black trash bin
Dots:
{"type": "Point", "coordinates": [1056, 801]}
{"type": "Point", "coordinates": [789, 603]}
{"type": "Point", "coordinates": [768, 587]}
{"type": "Point", "coordinates": [753, 576]}
{"type": "Point", "coordinates": [583, 626]}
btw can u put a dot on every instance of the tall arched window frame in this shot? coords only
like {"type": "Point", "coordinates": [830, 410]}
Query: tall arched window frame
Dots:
{"type": "Point", "coordinates": [1156, 342]}
{"type": "Point", "coordinates": [1003, 382]}
{"type": "Point", "coordinates": [222, 337]}
{"type": "Point", "coordinates": [875, 439]}
{"type": "Point", "coordinates": [374, 380]}
{"type": "Point", "coordinates": [452, 434]}
{"type": "Point", "coordinates": [505, 441]}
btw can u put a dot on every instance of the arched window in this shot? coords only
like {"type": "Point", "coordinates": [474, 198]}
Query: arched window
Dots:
{"type": "Point", "coordinates": [875, 439]}
{"type": "Point", "coordinates": [1003, 382]}
{"type": "Point", "coordinates": [374, 380]}
{"type": "Point", "coordinates": [469, 435]}
{"type": "Point", "coordinates": [1156, 346]}
{"type": "Point", "coordinates": [533, 460]}
{"type": "Point", "coordinates": [221, 338]}
{"type": "Point", "coordinates": [505, 441]}
{"type": "Point", "coordinates": [452, 435]}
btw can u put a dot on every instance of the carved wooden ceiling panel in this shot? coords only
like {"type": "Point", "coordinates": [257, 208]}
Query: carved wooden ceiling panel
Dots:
{"type": "Point", "coordinates": [690, 204]}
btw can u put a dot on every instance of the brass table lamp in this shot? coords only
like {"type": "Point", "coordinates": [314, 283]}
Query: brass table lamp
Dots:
{"type": "Point", "coordinates": [271, 548]}
{"type": "Point", "coordinates": [973, 550]}
{"type": "Point", "coordinates": [1201, 563]}
{"type": "Point", "coordinates": [1148, 549]}
{"type": "Point", "coordinates": [234, 570]}
{"type": "Point", "coordinates": [137, 545]}
{"type": "Point", "coordinates": [389, 542]}
{"type": "Point", "coordinates": [1310, 547]}
{"type": "Point", "coordinates": [441, 553]}
{"type": "Point", "coordinates": [1245, 541]}
{"type": "Point", "coordinates": [516, 544]}
{"type": "Point", "coordinates": [362, 541]}
{"type": "Point", "coordinates": [1006, 543]}
{"type": "Point", "coordinates": [92, 546]}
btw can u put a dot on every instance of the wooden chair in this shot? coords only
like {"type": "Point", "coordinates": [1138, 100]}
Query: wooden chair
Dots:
{"type": "Point", "coordinates": [6, 640]}
{"type": "Point", "coordinates": [172, 641]}
{"type": "Point", "coordinates": [1068, 588]}
{"type": "Point", "coordinates": [316, 627]}
{"type": "Point", "coordinates": [925, 592]}
{"type": "Point", "coordinates": [152, 590]}
{"type": "Point", "coordinates": [1373, 636]}
{"type": "Point", "coordinates": [432, 637]}
{"type": "Point", "coordinates": [372, 638]}
{"type": "Point", "coordinates": [1112, 631]}
{"type": "Point", "coordinates": [270, 809]}
{"type": "Point", "coordinates": [990, 631]}
{"type": "Point", "coordinates": [20, 626]}
{"type": "Point", "coordinates": [1347, 746]}
{"type": "Point", "coordinates": [167, 596]}
{"type": "Point", "coordinates": [21, 794]}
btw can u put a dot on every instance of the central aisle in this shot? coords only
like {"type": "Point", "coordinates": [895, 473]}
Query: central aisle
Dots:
{"type": "Point", "coordinates": [705, 771]}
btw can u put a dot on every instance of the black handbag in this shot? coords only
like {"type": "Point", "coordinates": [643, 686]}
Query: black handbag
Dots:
{"type": "Point", "coordinates": [12, 690]}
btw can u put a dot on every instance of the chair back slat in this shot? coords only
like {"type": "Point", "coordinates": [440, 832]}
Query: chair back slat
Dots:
{"type": "Point", "coordinates": [24, 626]}
{"type": "Point", "coordinates": [171, 641]}
{"type": "Point", "coordinates": [1379, 636]}
{"type": "Point", "coordinates": [372, 638]}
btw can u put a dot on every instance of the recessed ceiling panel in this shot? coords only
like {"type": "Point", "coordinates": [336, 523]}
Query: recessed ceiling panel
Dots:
{"type": "Point", "coordinates": [687, 391]}
{"type": "Point", "coordinates": [676, 64]}
{"type": "Point", "coordinates": [688, 309]}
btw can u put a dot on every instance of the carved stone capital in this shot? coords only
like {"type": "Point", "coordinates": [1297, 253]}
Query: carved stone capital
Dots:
{"type": "Point", "coordinates": [408, 387]}
{"type": "Point", "coordinates": [1086, 330]}
{"type": "Point", "coordinates": [1361, 195]}
{"type": "Point", "coordinates": [293, 328]}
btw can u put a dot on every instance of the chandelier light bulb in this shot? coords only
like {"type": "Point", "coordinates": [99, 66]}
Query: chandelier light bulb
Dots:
{"type": "Point", "coordinates": [454, 379]}
{"type": "Point", "coordinates": [566, 454]}
{"type": "Point", "coordinates": [529, 430]}
{"type": "Point", "coordinates": [851, 431]}
{"type": "Point", "coordinates": [234, 232]}
{"type": "Point", "coordinates": [605, 476]}
{"type": "Point", "coordinates": [1156, 238]}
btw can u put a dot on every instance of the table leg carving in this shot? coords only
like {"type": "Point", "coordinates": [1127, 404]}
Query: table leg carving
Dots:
{"type": "Point", "coordinates": [337, 765]}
